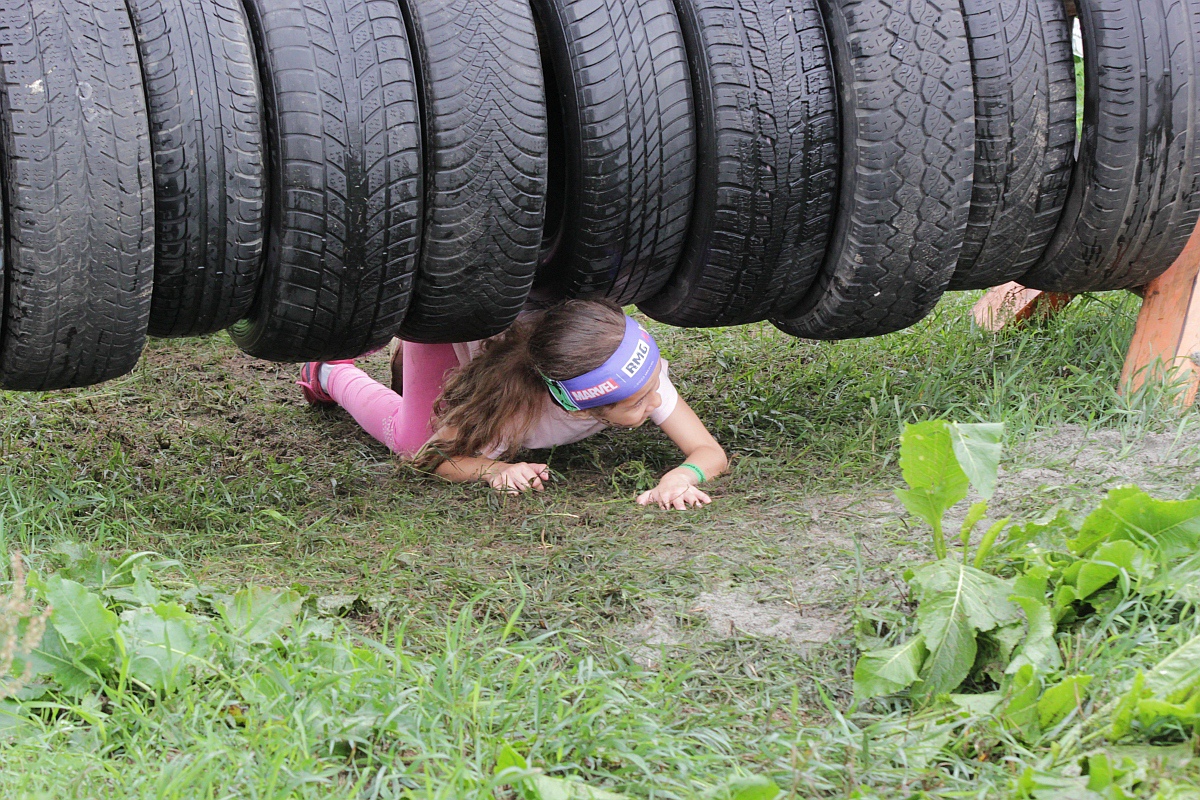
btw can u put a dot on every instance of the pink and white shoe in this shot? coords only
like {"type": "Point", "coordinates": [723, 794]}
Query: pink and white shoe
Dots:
{"type": "Point", "coordinates": [310, 382]}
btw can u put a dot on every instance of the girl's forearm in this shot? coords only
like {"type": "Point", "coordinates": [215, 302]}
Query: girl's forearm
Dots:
{"type": "Point", "coordinates": [464, 470]}
{"type": "Point", "coordinates": [711, 461]}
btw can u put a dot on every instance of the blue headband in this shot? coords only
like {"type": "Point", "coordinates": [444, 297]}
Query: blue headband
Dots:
{"type": "Point", "coordinates": [624, 373]}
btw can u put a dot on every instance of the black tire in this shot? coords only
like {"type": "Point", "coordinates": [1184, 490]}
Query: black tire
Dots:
{"type": "Point", "coordinates": [485, 134]}
{"type": "Point", "coordinates": [1135, 192]}
{"type": "Point", "coordinates": [343, 137]}
{"type": "Point", "coordinates": [556, 180]}
{"type": "Point", "coordinates": [205, 108]}
{"type": "Point", "coordinates": [625, 97]}
{"type": "Point", "coordinates": [79, 255]}
{"type": "Point", "coordinates": [1024, 136]}
{"type": "Point", "coordinates": [766, 180]}
{"type": "Point", "coordinates": [908, 146]}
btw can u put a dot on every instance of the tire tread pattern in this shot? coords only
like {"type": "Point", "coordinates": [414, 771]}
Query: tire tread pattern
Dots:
{"type": "Point", "coordinates": [78, 197]}
{"type": "Point", "coordinates": [1135, 192]}
{"type": "Point", "coordinates": [631, 160]}
{"type": "Point", "coordinates": [908, 137]}
{"type": "Point", "coordinates": [486, 141]}
{"type": "Point", "coordinates": [343, 136]}
{"type": "Point", "coordinates": [1024, 139]}
{"type": "Point", "coordinates": [205, 108]}
{"type": "Point", "coordinates": [768, 162]}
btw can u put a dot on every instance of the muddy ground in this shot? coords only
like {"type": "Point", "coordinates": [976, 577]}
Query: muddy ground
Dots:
{"type": "Point", "coordinates": [212, 458]}
{"type": "Point", "coordinates": [822, 541]}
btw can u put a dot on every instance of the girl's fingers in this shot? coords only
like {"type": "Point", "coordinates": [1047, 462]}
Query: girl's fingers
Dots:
{"type": "Point", "coordinates": [679, 500]}
{"type": "Point", "coordinates": [536, 473]}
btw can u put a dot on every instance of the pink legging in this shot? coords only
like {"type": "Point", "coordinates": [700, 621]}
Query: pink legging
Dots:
{"type": "Point", "coordinates": [402, 422]}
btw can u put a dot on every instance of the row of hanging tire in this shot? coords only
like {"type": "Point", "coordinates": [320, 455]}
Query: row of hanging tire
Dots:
{"type": "Point", "coordinates": [320, 175]}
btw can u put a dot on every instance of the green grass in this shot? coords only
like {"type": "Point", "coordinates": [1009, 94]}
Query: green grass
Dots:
{"type": "Point", "coordinates": [208, 457]}
{"type": "Point", "coordinates": [838, 407]}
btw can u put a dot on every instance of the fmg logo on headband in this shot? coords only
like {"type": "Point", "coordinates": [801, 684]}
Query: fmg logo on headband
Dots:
{"type": "Point", "coordinates": [592, 392]}
{"type": "Point", "coordinates": [638, 359]}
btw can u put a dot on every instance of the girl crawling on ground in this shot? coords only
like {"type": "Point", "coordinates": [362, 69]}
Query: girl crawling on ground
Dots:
{"type": "Point", "coordinates": [555, 377]}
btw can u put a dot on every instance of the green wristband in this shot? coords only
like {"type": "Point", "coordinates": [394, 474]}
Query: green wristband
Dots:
{"type": "Point", "coordinates": [699, 472]}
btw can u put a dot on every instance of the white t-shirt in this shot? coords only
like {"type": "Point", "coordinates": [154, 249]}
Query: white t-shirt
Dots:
{"type": "Point", "coordinates": [555, 425]}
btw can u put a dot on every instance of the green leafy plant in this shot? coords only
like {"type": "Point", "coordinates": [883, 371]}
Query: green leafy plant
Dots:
{"type": "Point", "coordinates": [957, 602]}
{"type": "Point", "coordinates": [512, 769]}
{"type": "Point", "coordinates": [995, 625]}
{"type": "Point", "coordinates": [124, 638]}
{"type": "Point", "coordinates": [122, 631]}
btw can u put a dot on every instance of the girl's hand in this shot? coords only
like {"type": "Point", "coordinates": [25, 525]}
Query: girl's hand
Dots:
{"type": "Point", "coordinates": [676, 492]}
{"type": "Point", "coordinates": [517, 478]}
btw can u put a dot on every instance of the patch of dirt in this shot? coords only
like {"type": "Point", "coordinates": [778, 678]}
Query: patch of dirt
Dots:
{"type": "Point", "coordinates": [806, 602]}
{"type": "Point", "coordinates": [732, 612]}
{"type": "Point", "coordinates": [1166, 464]}
{"type": "Point", "coordinates": [657, 631]}
{"type": "Point", "coordinates": [819, 583]}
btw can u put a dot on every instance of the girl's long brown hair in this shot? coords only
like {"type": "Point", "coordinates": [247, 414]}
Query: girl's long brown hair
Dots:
{"type": "Point", "coordinates": [495, 398]}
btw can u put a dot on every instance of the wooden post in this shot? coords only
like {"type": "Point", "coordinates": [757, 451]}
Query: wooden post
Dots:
{"type": "Point", "coordinates": [1012, 302]}
{"type": "Point", "coordinates": [1166, 342]}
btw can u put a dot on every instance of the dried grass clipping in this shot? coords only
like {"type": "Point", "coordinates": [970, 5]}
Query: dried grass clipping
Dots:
{"type": "Point", "coordinates": [21, 630]}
